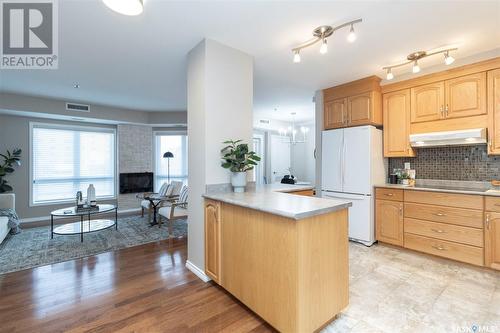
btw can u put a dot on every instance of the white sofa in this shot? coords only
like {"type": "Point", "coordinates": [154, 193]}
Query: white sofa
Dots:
{"type": "Point", "coordinates": [7, 200]}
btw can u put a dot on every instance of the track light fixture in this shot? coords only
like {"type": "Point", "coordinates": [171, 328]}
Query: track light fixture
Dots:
{"type": "Point", "coordinates": [414, 57]}
{"type": "Point", "coordinates": [321, 34]}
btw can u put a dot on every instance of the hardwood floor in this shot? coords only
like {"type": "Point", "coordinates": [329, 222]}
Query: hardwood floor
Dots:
{"type": "Point", "coordinates": [140, 289]}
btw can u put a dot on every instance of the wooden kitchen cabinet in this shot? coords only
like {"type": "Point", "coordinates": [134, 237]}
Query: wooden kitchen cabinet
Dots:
{"type": "Point", "coordinates": [492, 240]}
{"type": "Point", "coordinates": [213, 239]}
{"type": "Point", "coordinates": [359, 109]}
{"type": "Point", "coordinates": [336, 113]}
{"type": "Point", "coordinates": [465, 96]}
{"type": "Point", "coordinates": [396, 107]}
{"type": "Point", "coordinates": [427, 102]}
{"type": "Point", "coordinates": [353, 104]}
{"type": "Point", "coordinates": [389, 222]}
{"type": "Point", "coordinates": [494, 112]}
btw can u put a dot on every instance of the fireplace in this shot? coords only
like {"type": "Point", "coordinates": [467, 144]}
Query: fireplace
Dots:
{"type": "Point", "coordinates": [136, 182]}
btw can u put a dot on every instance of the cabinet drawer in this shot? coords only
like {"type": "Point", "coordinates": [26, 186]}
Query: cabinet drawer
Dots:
{"type": "Point", "coordinates": [389, 194]}
{"type": "Point", "coordinates": [465, 253]}
{"type": "Point", "coordinates": [492, 204]}
{"type": "Point", "coordinates": [452, 215]}
{"type": "Point", "coordinates": [443, 231]}
{"type": "Point", "coordinates": [445, 199]}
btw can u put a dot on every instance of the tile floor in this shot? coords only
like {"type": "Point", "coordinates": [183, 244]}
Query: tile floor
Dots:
{"type": "Point", "coordinates": [396, 290]}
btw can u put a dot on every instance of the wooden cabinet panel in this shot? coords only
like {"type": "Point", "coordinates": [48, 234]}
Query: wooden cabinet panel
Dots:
{"type": "Point", "coordinates": [389, 222]}
{"type": "Point", "coordinates": [494, 112]}
{"type": "Point", "coordinates": [444, 231]}
{"type": "Point", "coordinates": [396, 107]}
{"type": "Point", "coordinates": [469, 201]}
{"type": "Point", "coordinates": [212, 239]}
{"type": "Point", "coordinates": [492, 204]}
{"type": "Point", "coordinates": [359, 109]}
{"type": "Point", "coordinates": [427, 102]}
{"type": "Point", "coordinates": [306, 193]}
{"type": "Point", "coordinates": [452, 215]}
{"type": "Point", "coordinates": [389, 194]}
{"type": "Point", "coordinates": [461, 252]}
{"type": "Point", "coordinates": [466, 96]}
{"type": "Point", "coordinates": [336, 113]}
{"type": "Point", "coordinates": [492, 240]}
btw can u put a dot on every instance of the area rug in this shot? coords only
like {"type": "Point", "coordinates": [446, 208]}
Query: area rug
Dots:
{"type": "Point", "coordinates": [33, 246]}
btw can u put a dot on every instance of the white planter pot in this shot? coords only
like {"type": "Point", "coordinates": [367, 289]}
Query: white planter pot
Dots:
{"type": "Point", "coordinates": [405, 181]}
{"type": "Point", "coordinates": [239, 181]}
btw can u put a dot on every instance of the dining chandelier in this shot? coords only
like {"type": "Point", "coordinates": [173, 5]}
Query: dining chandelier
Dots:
{"type": "Point", "coordinates": [321, 34]}
{"type": "Point", "coordinates": [414, 57]}
{"type": "Point", "coordinates": [291, 134]}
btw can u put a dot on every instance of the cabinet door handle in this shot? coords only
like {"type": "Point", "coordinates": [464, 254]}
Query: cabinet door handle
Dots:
{"type": "Point", "coordinates": [439, 247]}
{"type": "Point", "coordinates": [446, 110]}
{"type": "Point", "coordinates": [441, 111]}
{"type": "Point", "coordinates": [401, 211]}
{"type": "Point", "coordinates": [440, 214]}
{"type": "Point", "coordinates": [439, 231]}
{"type": "Point", "coordinates": [389, 194]}
{"type": "Point", "coordinates": [487, 221]}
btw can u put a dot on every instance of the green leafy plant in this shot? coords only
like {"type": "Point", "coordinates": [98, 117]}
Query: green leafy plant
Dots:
{"type": "Point", "coordinates": [10, 160]}
{"type": "Point", "coordinates": [237, 157]}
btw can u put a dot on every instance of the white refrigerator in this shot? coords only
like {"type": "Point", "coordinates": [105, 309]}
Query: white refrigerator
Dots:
{"type": "Point", "coordinates": [352, 163]}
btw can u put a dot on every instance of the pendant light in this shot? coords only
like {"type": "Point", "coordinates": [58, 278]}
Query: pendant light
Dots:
{"type": "Point", "coordinates": [125, 7]}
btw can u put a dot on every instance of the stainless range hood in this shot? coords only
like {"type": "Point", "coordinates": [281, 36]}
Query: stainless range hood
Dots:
{"type": "Point", "coordinates": [451, 138]}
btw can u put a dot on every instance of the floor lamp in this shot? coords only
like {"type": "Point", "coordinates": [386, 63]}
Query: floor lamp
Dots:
{"type": "Point", "coordinates": [168, 155]}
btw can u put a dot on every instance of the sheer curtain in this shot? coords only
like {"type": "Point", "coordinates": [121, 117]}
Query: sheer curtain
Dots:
{"type": "Point", "coordinates": [177, 144]}
{"type": "Point", "coordinates": [66, 159]}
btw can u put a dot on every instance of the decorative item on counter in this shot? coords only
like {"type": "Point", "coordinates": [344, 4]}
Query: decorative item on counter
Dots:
{"type": "Point", "coordinates": [405, 178]}
{"type": "Point", "coordinates": [393, 178]}
{"type": "Point", "coordinates": [91, 200]}
{"type": "Point", "coordinates": [239, 159]}
{"type": "Point", "coordinates": [412, 173]}
{"type": "Point", "coordinates": [288, 179]}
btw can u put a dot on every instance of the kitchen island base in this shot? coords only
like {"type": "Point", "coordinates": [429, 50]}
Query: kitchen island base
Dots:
{"type": "Point", "coordinates": [292, 273]}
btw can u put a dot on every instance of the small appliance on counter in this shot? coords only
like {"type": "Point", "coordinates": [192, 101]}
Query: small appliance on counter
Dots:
{"type": "Point", "coordinates": [289, 179]}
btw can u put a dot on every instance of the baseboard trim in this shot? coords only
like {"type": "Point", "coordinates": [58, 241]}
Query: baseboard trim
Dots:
{"type": "Point", "coordinates": [196, 271]}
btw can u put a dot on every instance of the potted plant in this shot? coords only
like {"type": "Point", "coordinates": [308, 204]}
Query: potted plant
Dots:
{"type": "Point", "coordinates": [405, 178]}
{"type": "Point", "coordinates": [239, 159]}
{"type": "Point", "coordinates": [7, 167]}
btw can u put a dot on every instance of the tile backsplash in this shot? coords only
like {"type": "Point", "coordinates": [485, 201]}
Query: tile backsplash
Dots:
{"type": "Point", "coordinates": [453, 163]}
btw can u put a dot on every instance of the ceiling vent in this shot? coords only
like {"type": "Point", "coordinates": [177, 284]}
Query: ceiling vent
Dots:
{"type": "Point", "coordinates": [77, 107]}
{"type": "Point", "coordinates": [265, 121]}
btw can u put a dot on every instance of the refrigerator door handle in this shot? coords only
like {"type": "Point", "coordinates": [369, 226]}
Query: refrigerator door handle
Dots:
{"type": "Point", "coordinates": [343, 162]}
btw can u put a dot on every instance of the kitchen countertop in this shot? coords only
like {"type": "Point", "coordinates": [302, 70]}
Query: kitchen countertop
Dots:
{"type": "Point", "coordinates": [477, 188]}
{"type": "Point", "coordinates": [274, 199]}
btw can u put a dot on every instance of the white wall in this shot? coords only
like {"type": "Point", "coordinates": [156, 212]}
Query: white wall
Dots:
{"type": "Point", "coordinates": [220, 97]}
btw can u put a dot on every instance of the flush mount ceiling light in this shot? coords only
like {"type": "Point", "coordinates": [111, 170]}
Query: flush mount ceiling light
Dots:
{"type": "Point", "coordinates": [414, 57]}
{"type": "Point", "coordinates": [125, 7]}
{"type": "Point", "coordinates": [321, 34]}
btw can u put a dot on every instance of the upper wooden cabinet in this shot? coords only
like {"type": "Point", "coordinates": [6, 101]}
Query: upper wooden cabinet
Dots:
{"type": "Point", "coordinates": [336, 113]}
{"type": "Point", "coordinates": [494, 112]}
{"type": "Point", "coordinates": [427, 102]}
{"type": "Point", "coordinates": [396, 107]}
{"type": "Point", "coordinates": [465, 96]}
{"type": "Point", "coordinates": [353, 104]}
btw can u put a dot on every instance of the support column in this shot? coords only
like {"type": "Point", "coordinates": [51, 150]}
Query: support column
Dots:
{"type": "Point", "coordinates": [219, 108]}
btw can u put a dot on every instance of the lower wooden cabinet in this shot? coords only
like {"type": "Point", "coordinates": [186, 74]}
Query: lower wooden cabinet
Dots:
{"type": "Point", "coordinates": [492, 240]}
{"type": "Point", "coordinates": [389, 222]}
{"type": "Point", "coordinates": [213, 239]}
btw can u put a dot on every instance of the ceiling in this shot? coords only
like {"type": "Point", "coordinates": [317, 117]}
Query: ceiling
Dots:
{"type": "Point", "coordinates": [140, 62]}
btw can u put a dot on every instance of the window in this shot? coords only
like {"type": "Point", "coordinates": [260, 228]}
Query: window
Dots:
{"type": "Point", "coordinates": [66, 159]}
{"type": "Point", "coordinates": [176, 144]}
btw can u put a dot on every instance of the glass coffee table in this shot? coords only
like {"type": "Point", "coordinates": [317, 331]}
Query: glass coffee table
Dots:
{"type": "Point", "coordinates": [86, 224]}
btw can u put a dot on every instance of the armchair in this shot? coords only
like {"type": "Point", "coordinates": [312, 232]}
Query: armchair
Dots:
{"type": "Point", "coordinates": [7, 200]}
{"type": "Point", "coordinates": [177, 210]}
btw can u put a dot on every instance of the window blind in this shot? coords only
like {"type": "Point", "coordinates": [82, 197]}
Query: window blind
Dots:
{"type": "Point", "coordinates": [67, 159]}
